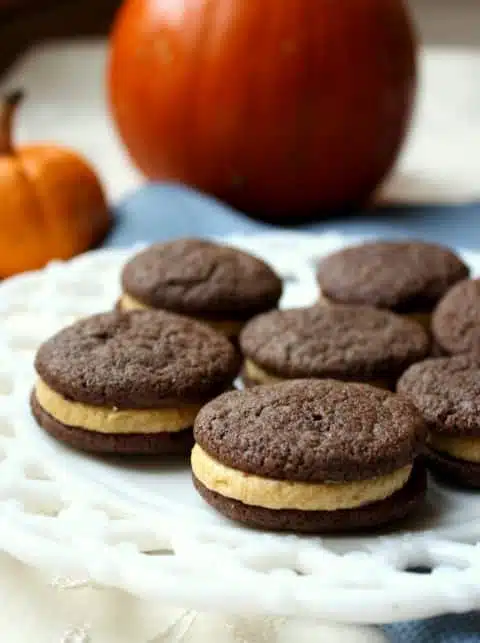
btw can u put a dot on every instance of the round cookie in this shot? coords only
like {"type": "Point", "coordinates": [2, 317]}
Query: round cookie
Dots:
{"type": "Point", "coordinates": [350, 343]}
{"type": "Point", "coordinates": [309, 456]}
{"type": "Point", "coordinates": [216, 284]}
{"type": "Point", "coordinates": [456, 320]}
{"type": "Point", "coordinates": [130, 382]}
{"type": "Point", "coordinates": [446, 391]}
{"type": "Point", "coordinates": [407, 277]}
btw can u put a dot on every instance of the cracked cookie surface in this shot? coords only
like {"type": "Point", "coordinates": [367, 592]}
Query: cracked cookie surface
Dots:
{"type": "Point", "coordinates": [456, 320]}
{"type": "Point", "coordinates": [196, 277]}
{"type": "Point", "coordinates": [406, 276]}
{"type": "Point", "coordinates": [447, 393]}
{"type": "Point", "coordinates": [311, 431]}
{"type": "Point", "coordinates": [344, 342]}
{"type": "Point", "coordinates": [137, 360]}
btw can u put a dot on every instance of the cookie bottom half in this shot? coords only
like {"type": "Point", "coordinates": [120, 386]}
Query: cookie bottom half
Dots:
{"type": "Point", "coordinates": [252, 375]}
{"type": "Point", "coordinates": [369, 516]}
{"type": "Point", "coordinates": [422, 317]}
{"type": "Point", "coordinates": [161, 443]}
{"type": "Point", "coordinates": [229, 327]}
{"type": "Point", "coordinates": [450, 469]}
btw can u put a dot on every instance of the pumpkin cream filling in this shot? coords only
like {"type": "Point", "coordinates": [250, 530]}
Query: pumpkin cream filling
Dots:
{"type": "Point", "coordinates": [281, 494]}
{"type": "Point", "coordinates": [228, 327]}
{"type": "Point", "coordinates": [467, 449]}
{"type": "Point", "coordinates": [114, 421]}
{"type": "Point", "coordinates": [255, 374]}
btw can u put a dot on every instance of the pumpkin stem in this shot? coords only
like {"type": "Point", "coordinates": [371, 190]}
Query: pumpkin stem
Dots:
{"type": "Point", "coordinates": [7, 113]}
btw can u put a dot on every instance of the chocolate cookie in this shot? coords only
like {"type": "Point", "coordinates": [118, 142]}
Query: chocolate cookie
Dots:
{"type": "Point", "coordinates": [309, 455]}
{"type": "Point", "coordinates": [130, 382]}
{"type": "Point", "coordinates": [406, 277]}
{"type": "Point", "coordinates": [350, 343]}
{"type": "Point", "coordinates": [456, 320]}
{"type": "Point", "coordinates": [446, 391]}
{"type": "Point", "coordinates": [213, 283]}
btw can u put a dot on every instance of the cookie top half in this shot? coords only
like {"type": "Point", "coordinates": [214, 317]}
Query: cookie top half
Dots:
{"type": "Point", "coordinates": [447, 393]}
{"type": "Point", "coordinates": [456, 320]}
{"type": "Point", "coordinates": [137, 360]}
{"type": "Point", "coordinates": [311, 431]}
{"type": "Point", "coordinates": [401, 276]}
{"type": "Point", "coordinates": [339, 341]}
{"type": "Point", "coordinates": [201, 278]}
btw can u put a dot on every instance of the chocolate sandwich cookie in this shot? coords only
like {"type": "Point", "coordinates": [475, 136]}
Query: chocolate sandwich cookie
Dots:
{"type": "Point", "coordinates": [406, 277]}
{"type": "Point", "coordinates": [350, 343]}
{"type": "Point", "coordinates": [456, 320]}
{"type": "Point", "coordinates": [216, 284]}
{"type": "Point", "coordinates": [309, 456]}
{"type": "Point", "coordinates": [446, 391]}
{"type": "Point", "coordinates": [130, 382]}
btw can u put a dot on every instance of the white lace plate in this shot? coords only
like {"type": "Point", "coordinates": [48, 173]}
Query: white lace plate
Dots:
{"type": "Point", "coordinates": [139, 525]}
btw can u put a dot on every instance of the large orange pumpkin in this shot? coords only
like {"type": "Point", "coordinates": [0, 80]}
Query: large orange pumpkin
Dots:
{"type": "Point", "coordinates": [279, 107]}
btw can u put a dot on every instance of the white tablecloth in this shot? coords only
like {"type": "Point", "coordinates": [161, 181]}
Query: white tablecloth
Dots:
{"type": "Point", "coordinates": [36, 611]}
{"type": "Point", "coordinates": [66, 104]}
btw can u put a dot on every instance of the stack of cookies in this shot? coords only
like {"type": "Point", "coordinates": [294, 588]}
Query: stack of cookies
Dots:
{"type": "Point", "coordinates": [317, 439]}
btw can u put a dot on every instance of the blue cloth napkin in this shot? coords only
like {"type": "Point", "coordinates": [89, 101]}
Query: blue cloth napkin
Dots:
{"type": "Point", "coordinates": [164, 212]}
{"type": "Point", "coordinates": [464, 628]}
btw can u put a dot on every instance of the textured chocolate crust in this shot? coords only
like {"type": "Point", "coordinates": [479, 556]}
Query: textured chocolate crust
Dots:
{"type": "Point", "coordinates": [311, 431]}
{"type": "Point", "coordinates": [456, 320]}
{"type": "Point", "coordinates": [178, 443]}
{"type": "Point", "coordinates": [370, 516]}
{"type": "Point", "coordinates": [446, 391]}
{"type": "Point", "coordinates": [196, 277]}
{"type": "Point", "coordinates": [344, 342]}
{"type": "Point", "coordinates": [460, 472]}
{"type": "Point", "coordinates": [137, 360]}
{"type": "Point", "coordinates": [402, 276]}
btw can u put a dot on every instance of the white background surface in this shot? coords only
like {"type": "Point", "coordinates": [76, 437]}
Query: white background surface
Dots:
{"type": "Point", "coordinates": [67, 105]}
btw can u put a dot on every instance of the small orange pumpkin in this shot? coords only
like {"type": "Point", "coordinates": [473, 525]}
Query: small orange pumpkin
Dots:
{"type": "Point", "coordinates": [52, 205]}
